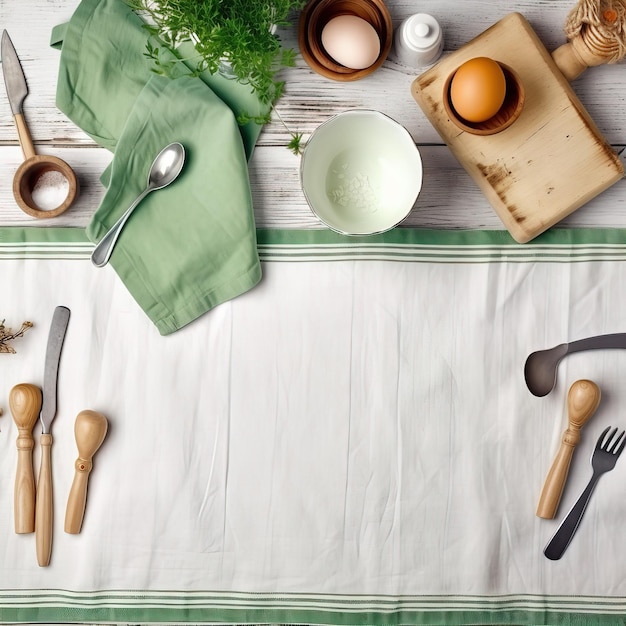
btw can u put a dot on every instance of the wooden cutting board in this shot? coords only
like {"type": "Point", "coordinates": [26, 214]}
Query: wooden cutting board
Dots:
{"type": "Point", "coordinates": [551, 160]}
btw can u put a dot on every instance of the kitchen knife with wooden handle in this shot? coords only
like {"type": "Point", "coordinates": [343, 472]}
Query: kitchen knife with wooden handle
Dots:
{"type": "Point", "coordinates": [43, 505]}
{"type": "Point", "coordinates": [17, 90]}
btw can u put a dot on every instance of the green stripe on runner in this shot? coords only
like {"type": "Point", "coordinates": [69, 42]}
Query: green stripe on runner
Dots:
{"type": "Point", "coordinates": [40, 234]}
{"type": "Point", "coordinates": [399, 245]}
{"type": "Point", "coordinates": [555, 236]}
{"type": "Point", "coordinates": [293, 615]}
{"type": "Point", "coordinates": [402, 236]}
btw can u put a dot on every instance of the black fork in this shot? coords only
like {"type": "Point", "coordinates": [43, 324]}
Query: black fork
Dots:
{"type": "Point", "coordinates": [603, 459]}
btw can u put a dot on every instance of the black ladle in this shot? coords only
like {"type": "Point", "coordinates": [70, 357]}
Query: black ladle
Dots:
{"type": "Point", "coordinates": [541, 366]}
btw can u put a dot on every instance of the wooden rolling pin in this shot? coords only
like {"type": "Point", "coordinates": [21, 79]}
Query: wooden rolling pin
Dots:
{"type": "Point", "coordinates": [90, 429]}
{"type": "Point", "coordinates": [25, 405]}
{"type": "Point", "coordinates": [583, 399]}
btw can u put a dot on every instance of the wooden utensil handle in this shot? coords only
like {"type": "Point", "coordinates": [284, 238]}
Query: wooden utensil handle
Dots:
{"type": "Point", "coordinates": [24, 494]}
{"type": "Point", "coordinates": [90, 429]}
{"type": "Point", "coordinates": [24, 136]}
{"type": "Point", "coordinates": [557, 475]}
{"type": "Point", "coordinates": [77, 499]}
{"type": "Point", "coordinates": [25, 403]}
{"type": "Point", "coordinates": [573, 58]}
{"type": "Point", "coordinates": [44, 508]}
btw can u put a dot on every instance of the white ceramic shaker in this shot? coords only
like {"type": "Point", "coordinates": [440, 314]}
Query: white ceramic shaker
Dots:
{"type": "Point", "coordinates": [418, 41]}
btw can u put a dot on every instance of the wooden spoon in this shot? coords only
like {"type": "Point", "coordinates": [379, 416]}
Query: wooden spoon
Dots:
{"type": "Point", "coordinates": [25, 404]}
{"type": "Point", "coordinates": [90, 429]}
{"type": "Point", "coordinates": [583, 399]}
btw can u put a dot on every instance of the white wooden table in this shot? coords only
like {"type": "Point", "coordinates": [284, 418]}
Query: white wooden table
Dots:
{"type": "Point", "coordinates": [449, 198]}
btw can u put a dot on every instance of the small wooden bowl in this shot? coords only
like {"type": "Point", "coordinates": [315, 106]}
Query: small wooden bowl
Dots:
{"type": "Point", "coordinates": [508, 113]}
{"type": "Point", "coordinates": [28, 173]}
{"type": "Point", "coordinates": [317, 13]}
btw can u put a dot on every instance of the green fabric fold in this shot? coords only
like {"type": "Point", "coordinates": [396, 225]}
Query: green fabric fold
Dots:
{"type": "Point", "coordinates": [191, 246]}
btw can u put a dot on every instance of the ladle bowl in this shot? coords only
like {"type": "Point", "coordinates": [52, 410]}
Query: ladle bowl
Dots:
{"type": "Point", "coordinates": [540, 369]}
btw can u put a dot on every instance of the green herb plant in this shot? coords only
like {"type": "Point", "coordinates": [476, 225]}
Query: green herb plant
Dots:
{"type": "Point", "coordinates": [238, 32]}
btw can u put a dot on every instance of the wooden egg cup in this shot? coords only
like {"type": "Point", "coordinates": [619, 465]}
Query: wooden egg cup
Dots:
{"type": "Point", "coordinates": [583, 399]}
{"type": "Point", "coordinates": [506, 115]}
{"type": "Point", "coordinates": [317, 13]}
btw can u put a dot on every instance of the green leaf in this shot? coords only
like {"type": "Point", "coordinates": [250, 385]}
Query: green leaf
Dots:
{"type": "Point", "coordinates": [238, 30]}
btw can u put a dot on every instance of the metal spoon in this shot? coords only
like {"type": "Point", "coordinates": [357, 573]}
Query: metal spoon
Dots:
{"type": "Point", "coordinates": [164, 170]}
{"type": "Point", "coordinates": [541, 366]}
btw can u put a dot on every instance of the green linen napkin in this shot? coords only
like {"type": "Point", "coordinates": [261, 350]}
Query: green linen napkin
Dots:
{"type": "Point", "coordinates": [192, 245]}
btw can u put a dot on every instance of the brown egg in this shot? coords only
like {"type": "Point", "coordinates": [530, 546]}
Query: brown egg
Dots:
{"type": "Point", "coordinates": [478, 89]}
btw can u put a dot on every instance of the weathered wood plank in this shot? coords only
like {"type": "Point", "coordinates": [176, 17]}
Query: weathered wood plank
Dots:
{"type": "Point", "coordinates": [449, 197]}
{"type": "Point", "coordinates": [310, 98]}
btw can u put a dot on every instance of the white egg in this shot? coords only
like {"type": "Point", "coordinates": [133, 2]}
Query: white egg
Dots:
{"type": "Point", "coordinates": [351, 41]}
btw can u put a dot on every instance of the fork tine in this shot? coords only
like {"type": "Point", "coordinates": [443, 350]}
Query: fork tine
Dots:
{"type": "Point", "coordinates": [609, 439]}
{"type": "Point", "coordinates": [619, 443]}
{"type": "Point", "coordinates": [607, 442]}
{"type": "Point", "coordinates": [601, 437]}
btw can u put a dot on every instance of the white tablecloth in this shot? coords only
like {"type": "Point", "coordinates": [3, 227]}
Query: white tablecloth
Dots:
{"type": "Point", "coordinates": [350, 442]}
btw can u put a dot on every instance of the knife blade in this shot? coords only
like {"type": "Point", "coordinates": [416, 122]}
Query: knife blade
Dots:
{"type": "Point", "coordinates": [43, 506]}
{"type": "Point", "coordinates": [58, 327]}
{"type": "Point", "coordinates": [17, 90]}
{"type": "Point", "coordinates": [14, 78]}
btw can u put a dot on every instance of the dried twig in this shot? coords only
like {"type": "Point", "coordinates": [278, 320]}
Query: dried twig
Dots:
{"type": "Point", "coordinates": [7, 335]}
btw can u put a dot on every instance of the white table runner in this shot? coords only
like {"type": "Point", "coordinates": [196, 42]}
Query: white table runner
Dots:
{"type": "Point", "coordinates": [350, 442]}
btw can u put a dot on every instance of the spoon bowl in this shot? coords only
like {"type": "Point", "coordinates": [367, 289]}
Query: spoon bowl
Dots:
{"type": "Point", "coordinates": [164, 170]}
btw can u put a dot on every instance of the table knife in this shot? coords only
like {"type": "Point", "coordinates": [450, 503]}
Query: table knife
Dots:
{"type": "Point", "coordinates": [43, 504]}
{"type": "Point", "coordinates": [17, 90]}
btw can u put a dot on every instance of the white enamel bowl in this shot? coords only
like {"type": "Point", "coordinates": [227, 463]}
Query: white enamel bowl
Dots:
{"type": "Point", "coordinates": [361, 172]}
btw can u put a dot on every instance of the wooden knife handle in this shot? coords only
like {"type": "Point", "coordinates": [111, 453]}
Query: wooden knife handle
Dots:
{"type": "Point", "coordinates": [44, 508]}
{"type": "Point", "coordinates": [24, 135]}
